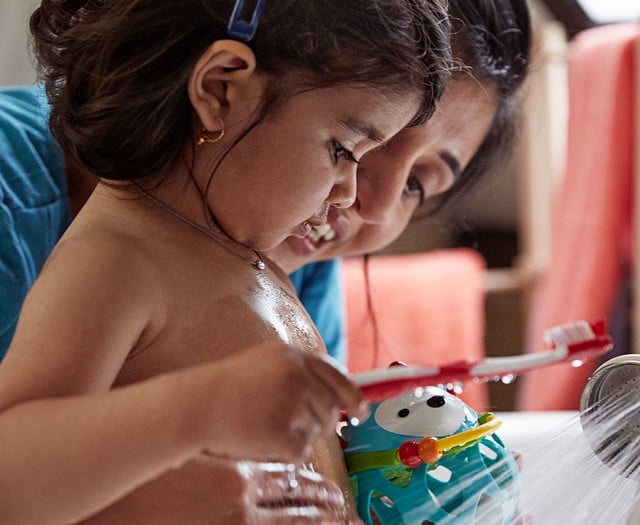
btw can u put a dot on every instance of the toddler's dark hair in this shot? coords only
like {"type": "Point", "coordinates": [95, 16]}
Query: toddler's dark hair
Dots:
{"type": "Point", "coordinates": [116, 71]}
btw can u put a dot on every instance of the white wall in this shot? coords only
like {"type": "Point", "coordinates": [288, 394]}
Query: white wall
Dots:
{"type": "Point", "coordinates": [15, 63]}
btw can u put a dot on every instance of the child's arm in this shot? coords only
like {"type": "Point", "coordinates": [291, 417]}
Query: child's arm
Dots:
{"type": "Point", "coordinates": [71, 446]}
{"type": "Point", "coordinates": [65, 459]}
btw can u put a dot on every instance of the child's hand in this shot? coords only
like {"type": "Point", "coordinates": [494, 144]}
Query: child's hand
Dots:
{"type": "Point", "coordinates": [271, 402]}
{"type": "Point", "coordinates": [269, 497]}
{"type": "Point", "coordinates": [232, 492]}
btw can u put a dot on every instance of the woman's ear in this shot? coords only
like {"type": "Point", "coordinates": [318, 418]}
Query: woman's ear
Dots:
{"type": "Point", "coordinates": [222, 77]}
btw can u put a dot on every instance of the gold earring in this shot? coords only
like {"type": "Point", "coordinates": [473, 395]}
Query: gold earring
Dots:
{"type": "Point", "coordinates": [209, 137]}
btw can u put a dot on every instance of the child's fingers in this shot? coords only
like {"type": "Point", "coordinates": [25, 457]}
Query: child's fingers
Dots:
{"type": "Point", "coordinates": [288, 494]}
{"type": "Point", "coordinates": [339, 390]}
{"type": "Point", "coordinates": [253, 492]}
{"type": "Point", "coordinates": [303, 432]}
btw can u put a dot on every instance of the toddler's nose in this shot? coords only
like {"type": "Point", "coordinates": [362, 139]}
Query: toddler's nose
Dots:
{"type": "Point", "coordinates": [343, 193]}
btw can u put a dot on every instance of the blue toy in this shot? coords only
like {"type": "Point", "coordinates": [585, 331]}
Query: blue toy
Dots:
{"type": "Point", "coordinates": [426, 457]}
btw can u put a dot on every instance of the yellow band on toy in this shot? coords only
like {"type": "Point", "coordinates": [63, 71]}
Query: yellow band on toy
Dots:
{"type": "Point", "coordinates": [490, 424]}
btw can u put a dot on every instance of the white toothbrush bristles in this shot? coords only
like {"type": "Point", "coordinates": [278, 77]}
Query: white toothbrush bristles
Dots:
{"type": "Point", "coordinates": [564, 335]}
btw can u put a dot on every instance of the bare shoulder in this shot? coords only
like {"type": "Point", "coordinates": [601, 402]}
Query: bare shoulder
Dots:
{"type": "Point", "coordinates": [94, 303]}
{"type": "Point", "coordinates": [103, 262]}
{"type": "Point", "coordinates": [107, 254]}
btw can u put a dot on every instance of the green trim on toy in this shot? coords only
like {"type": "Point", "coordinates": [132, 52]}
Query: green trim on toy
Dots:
{"type": "Point", "coordinates": [384, 459]}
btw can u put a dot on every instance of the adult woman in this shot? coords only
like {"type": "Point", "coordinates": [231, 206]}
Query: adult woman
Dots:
{"type": "Point", "coordinates": [471, 132]}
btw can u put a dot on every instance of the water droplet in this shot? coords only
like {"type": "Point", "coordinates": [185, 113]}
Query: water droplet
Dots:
{"type": "Point", "coordinates": [508, 379]}
{"type": "Point", "coordinates": [455, 387]}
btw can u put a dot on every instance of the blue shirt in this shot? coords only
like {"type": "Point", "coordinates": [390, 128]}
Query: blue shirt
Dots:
{"type": "Point", "coordinates": [34, 208]}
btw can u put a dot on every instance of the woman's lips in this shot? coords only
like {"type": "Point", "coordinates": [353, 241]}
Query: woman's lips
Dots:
{"type": "Point", "coordinates": [341, 226]}
{"type": "Point", "coordinates": [337, 229]}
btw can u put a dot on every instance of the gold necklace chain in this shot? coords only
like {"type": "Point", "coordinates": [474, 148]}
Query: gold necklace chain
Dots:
{"type": "Point", "coordinates": [257, 263]}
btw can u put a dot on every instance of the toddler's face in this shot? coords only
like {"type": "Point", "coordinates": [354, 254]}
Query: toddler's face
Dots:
{"type": "Point", "coordinates": [418, 163]}
{"type": "Point", "coordinates": [282, 178]}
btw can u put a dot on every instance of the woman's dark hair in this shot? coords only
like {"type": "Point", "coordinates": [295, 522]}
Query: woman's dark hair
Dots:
{"type": "Point", "coordinates": [116, 72]}
{"type": "Point", "coordinates": [491, 41]}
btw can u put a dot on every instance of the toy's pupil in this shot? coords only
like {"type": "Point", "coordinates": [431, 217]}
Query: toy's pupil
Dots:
{"type": "Point", "coordinates": [404, 412]}
{"type": "Point", "coordinates": [435, 401]}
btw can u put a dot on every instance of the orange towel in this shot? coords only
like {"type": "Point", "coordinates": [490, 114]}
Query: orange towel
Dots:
{"type": "Point", "coordinates": [593, 215]}
{"type": "Point", "coordinates": [429, 309]}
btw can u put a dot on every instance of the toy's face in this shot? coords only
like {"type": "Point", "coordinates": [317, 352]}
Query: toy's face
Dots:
{"type": "Point", "coordinates": [428, 411]}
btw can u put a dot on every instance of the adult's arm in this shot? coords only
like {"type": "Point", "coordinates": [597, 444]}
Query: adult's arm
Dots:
{"type": "Point", "coordinates": [34, 209]}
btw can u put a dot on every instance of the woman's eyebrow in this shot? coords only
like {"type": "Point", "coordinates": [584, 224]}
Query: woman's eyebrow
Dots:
{"type": "Point", "coordinates": [452, 162]}
{"type": "Point", "coordinates": [364, 129]}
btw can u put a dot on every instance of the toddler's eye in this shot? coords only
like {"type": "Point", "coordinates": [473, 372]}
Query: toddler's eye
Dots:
{"type": "Point", "coordinates": [414, 188]}
{"type": "Point", "coordinates": [340, 151]}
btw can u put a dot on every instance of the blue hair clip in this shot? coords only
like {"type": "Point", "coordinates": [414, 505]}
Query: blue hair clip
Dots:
{"type": "Point", "coordinates": [241, 29]}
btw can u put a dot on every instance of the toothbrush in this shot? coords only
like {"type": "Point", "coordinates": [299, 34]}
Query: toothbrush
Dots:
{"type": "Point", "coordinates": [574, 342]}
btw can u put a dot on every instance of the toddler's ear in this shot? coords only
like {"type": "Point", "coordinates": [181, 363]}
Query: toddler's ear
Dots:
{"type": "Point", "coordinates": [222, 77]}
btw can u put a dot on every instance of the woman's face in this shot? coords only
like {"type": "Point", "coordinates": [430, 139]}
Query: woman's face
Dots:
{"type": "Point", "coordinates": [282, 178]}
{"type": "Point", "coordinates": [416, 164]}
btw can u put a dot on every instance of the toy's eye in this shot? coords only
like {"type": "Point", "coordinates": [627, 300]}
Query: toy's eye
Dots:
{"type": "Point", "coordinates": [436, 401]}
{"type": "Point", "coordinates": [403, 412]}
{"type": "Point", "coordinates": [428, 411]}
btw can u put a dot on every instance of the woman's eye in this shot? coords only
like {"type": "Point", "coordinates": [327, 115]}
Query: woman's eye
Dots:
{"type": "Point", "coordinates": [339, 151]}
{"type": "Point", "coordinates": [414, 188]}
